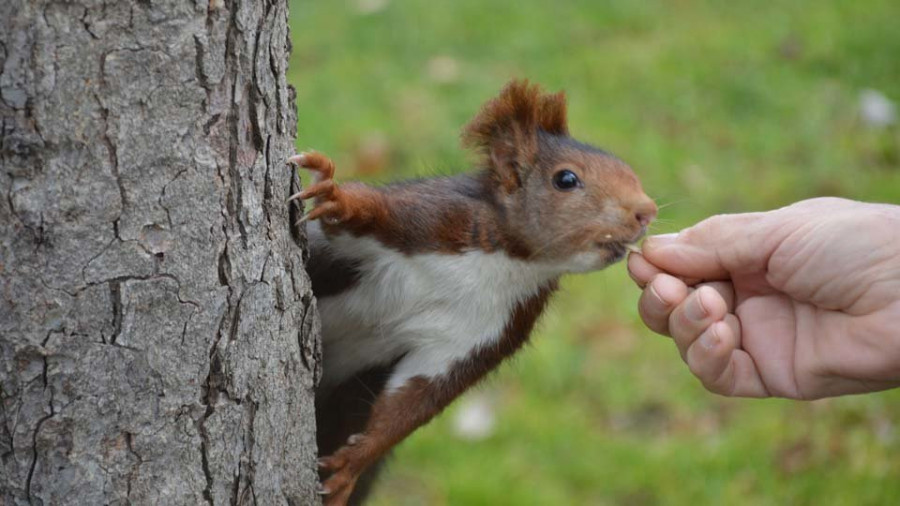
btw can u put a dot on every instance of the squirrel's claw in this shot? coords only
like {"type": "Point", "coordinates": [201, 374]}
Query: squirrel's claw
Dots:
{"type": "Point", "coordinates": [337, 488]}
{"type": "Point", "coordinates": [316, 162]}
{"type": "Point", "coordinates": [344, 468]}
{"type": "Point", "coordinates": [321, 189]}
{"type": "Point", "coordinates": [325, 191]}
{"type": "Point", "coordinates": [330, 208]}
{"type": "Point", "coordinates": [298, 159]}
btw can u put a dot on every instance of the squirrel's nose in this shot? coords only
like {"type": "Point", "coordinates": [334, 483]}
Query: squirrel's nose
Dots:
{"type": "Point", "coordinates": [644, 210]}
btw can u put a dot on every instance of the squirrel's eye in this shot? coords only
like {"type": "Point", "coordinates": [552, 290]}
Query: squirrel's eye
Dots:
{"type": "Point", "coordinates": [566, 180]}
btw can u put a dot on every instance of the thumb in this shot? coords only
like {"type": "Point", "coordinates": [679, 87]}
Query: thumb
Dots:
{"type": "Point", "coordinates": [717, 247]}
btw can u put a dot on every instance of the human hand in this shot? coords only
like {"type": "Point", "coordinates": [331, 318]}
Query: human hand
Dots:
{"type": "Point", "coordinates": [802, 302]}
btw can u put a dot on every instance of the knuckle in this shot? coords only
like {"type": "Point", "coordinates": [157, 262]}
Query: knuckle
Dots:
{"type": "Point", "coordinates": [713, 225]}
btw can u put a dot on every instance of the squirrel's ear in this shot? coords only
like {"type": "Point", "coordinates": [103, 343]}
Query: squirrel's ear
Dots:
{"type": "Point", "coordinates": [505, 130]}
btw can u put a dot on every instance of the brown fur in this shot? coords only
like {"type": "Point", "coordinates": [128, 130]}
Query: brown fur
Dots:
{"type": "Point", "coordinates": [439, 215]}
{"type": "Point", "coordinates": [515, 116]}
{"type": "Point", "coordinates": [505, 130]}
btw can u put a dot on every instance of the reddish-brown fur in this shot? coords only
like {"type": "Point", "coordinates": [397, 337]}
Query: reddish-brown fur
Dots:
{"type": "Point", "coordinates": [447, 215]}
{"type": "Point", "coordinates": [509, 206]}
{"type": "Point", "coordinates": [510, 120]}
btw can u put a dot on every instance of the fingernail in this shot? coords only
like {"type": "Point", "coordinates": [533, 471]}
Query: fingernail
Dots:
{"type": "Point", "coordinates": [658, 241]}
{"type": "Point", "coordinates": [709, 339]}
{"type": "Point", "coordinates": [656, 294]}
{"type": "Point", "coordinates": [694, 310]}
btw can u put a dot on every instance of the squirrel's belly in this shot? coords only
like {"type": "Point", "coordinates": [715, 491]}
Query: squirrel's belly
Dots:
{"type": "Point", "coordinates": [400, 303]}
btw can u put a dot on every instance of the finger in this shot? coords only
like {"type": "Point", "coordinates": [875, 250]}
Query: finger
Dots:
{"type": "Point", "coordinates": [703, 307]}
{"type": "Point", "coordinates": [640, 270]}
{"type": "Point", "coordinates": [723, 368]}
{"type": "Point", "coordinates": [717, 246]}
{"type": "Point", "coordinates": [709, 354]}
{"type": "Point", "coordinates": [725, 290]}
{"type": "Point", "coordinates": [661, 296]}
{"type": "Point", "coordinates": [734, 324]}
{"type": "Point", "coordinates": [741, 378]}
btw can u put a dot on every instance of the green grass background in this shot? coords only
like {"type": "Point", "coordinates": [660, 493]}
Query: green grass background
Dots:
{"type": "Point", "coordinates": [719, 107]}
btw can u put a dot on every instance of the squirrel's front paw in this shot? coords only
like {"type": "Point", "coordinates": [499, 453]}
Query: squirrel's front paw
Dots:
{"type": "Point", "coordinates": [329, 202]}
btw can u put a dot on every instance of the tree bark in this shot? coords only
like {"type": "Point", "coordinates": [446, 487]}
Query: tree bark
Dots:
{"type": "Point", "coordinates": [158, 336]}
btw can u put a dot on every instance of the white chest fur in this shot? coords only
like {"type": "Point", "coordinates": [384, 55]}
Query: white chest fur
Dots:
{"type": "Point", "coordinates": [432, 308]}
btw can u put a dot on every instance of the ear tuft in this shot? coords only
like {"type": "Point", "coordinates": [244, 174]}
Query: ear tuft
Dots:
{"type": "Point", "coordinates": [552, 114]}
{"type": "Point", "coordinates": [514, 117]}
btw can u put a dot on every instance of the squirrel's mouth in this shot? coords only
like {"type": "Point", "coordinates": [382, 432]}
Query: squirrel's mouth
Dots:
{"type": "Point", "coordinates": [618, 249]}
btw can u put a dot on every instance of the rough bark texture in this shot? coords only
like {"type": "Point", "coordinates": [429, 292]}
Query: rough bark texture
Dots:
{"type": "Point", "coordinates": [158, 340]}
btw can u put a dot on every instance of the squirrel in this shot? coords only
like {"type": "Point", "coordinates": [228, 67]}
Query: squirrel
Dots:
{"type": "Point", "coordinates": [425, 286]}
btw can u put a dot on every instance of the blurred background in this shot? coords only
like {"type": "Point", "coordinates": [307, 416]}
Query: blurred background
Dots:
{"type": "Point", "coordinates": [719, 107]}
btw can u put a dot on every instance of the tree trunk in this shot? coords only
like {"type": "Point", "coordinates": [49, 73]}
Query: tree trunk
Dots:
{"type": "Point", "coordinates": [158, 340]}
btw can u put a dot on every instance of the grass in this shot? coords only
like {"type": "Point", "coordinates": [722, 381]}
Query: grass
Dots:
{"type": "Point", "coordinates": [719, 107]}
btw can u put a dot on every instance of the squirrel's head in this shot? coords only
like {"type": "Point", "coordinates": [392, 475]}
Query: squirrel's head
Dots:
{"type": "Point", "coordinates": [569, 203]}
